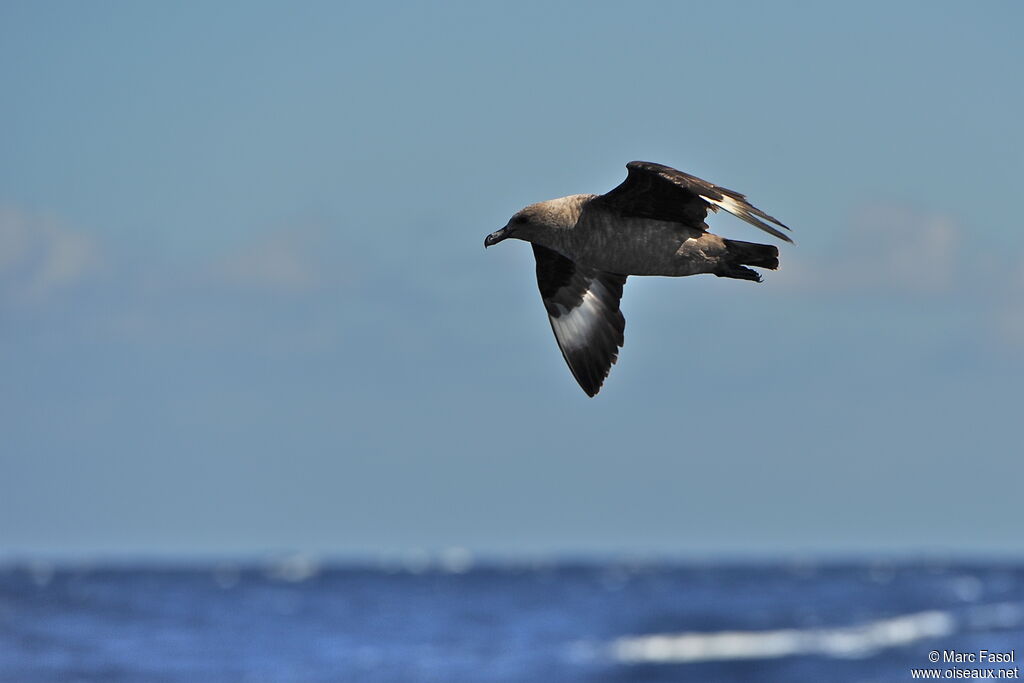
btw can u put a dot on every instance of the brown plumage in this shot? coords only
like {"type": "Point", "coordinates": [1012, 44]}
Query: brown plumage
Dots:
{"type": "Point", "coordinates": [651, 224]}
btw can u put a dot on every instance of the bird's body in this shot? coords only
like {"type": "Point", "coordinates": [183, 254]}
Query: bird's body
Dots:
{"type": "Point", "coordinates": [625, 244]}
{"type": "Point", "coordinates": [652, 224]}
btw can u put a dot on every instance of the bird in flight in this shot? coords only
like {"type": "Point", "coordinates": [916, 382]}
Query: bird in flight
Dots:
{"type": "Point", "coordinates": [651, 224]}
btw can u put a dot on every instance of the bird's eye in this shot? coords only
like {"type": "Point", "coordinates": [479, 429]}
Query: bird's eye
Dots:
{"type": "Point", "coordinates": [519, 220]}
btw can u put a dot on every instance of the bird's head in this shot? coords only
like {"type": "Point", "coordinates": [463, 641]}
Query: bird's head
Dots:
{"type": "Point", "coordinates": [519, 226]}
{"type": "Point", "coordinates": [538, 222]}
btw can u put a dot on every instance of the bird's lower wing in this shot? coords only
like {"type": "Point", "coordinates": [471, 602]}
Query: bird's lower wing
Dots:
{"type": "Point", "coordinates": [583, 308]}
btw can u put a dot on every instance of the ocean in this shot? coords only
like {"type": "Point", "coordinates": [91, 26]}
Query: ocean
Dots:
{"type": "Point", "coordinates": [299, 620]}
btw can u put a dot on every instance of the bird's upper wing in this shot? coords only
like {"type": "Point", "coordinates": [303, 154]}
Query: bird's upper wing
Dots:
{"type": "Point", "coordinates": [659, 192]}
{"type": "Point", "coordinates": [583, 307]}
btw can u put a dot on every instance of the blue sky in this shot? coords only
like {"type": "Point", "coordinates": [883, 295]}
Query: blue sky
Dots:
{"type": "Point", "coordinates": [245, 307]}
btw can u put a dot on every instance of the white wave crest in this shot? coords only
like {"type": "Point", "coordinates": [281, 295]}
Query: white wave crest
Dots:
{"type": "Point", "coordinates": [846, 642]}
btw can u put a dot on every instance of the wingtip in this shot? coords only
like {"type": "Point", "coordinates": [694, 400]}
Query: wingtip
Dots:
{"type": "Point", "coordinates": [780, 223]}
{"type": "Point", "coordinates": [590, 385]}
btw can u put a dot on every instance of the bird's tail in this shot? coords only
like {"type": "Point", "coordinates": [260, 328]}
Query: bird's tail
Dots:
{"type": "Point", "coordinates": [739, 254]}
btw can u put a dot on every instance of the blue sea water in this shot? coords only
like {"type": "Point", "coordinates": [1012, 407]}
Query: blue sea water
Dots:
{"type": "Point", "coordinates": [600, 621]}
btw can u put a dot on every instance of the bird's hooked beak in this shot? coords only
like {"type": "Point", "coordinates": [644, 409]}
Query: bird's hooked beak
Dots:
{"type": "Point", "coordinates": [497, 236]}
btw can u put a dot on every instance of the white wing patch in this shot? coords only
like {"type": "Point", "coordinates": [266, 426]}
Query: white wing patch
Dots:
{"type": "Point", "coordinates": [727, 203]}
{"type": "Point", "coordinates": [743, 209]}
{"type": "Point", "coordinates": [573, 328]}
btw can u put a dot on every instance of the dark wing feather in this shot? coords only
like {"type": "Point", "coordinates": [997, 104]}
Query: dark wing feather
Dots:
{"type": "Point", "coordinates": [660, 192]}
{"type": "Point", "coordinates": [583, 308]}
